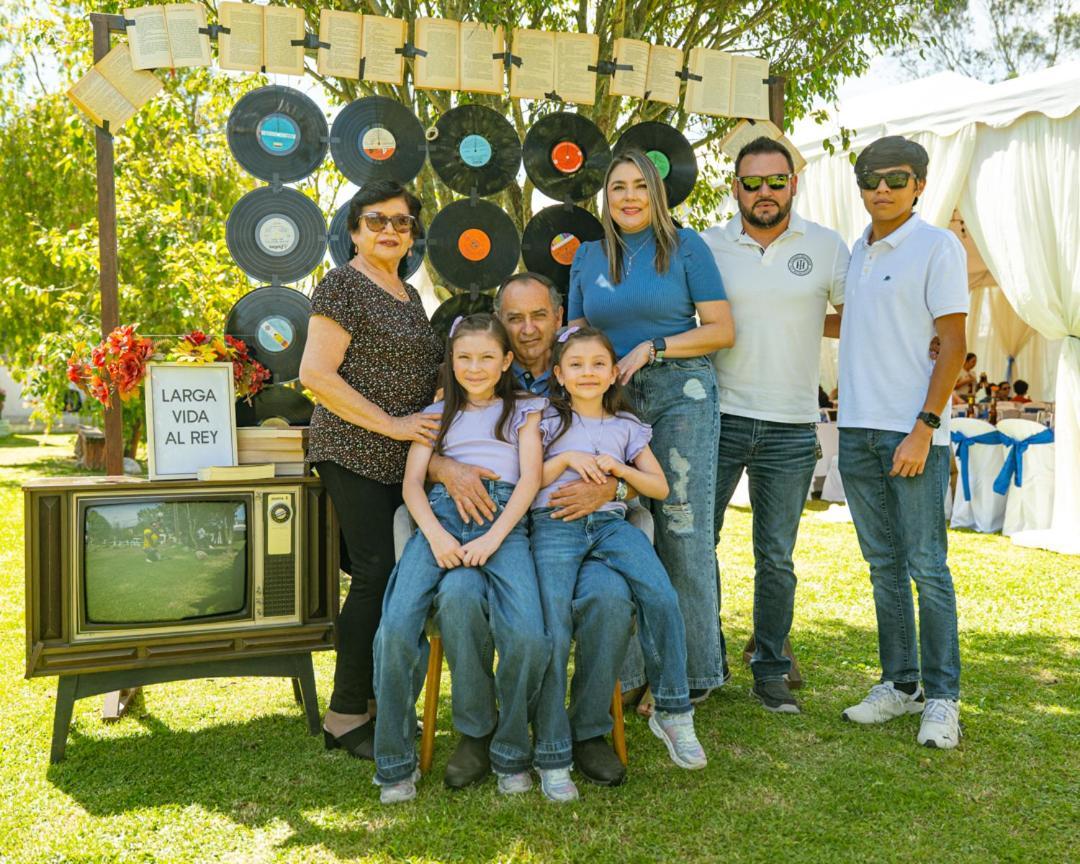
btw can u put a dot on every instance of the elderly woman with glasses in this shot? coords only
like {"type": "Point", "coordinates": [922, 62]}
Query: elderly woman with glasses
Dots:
{"type": "Point", "coordinates": [371, 361]}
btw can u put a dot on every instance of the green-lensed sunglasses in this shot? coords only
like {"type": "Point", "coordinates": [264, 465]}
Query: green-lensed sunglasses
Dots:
{"type": "Point", "coordinates": [893, 179]}
{"type": "Point", "coordinates": [752, 182]}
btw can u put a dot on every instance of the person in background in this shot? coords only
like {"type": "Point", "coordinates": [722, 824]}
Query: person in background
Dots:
{"type": "Point", "coordinates": [781, 273]}
{"type": "Point", "coordinates": [1020, 391]}
{"type": "Point", "coordinates": [965, 381]}
{"type": "Point", "coordinates": [907, 281]}
{"type": "Point", "coordinates": [1004, 391]}
{"type": "Point", "coordinates": [654, 290]}
{"type": "Point", "coordinates": [371, 360]}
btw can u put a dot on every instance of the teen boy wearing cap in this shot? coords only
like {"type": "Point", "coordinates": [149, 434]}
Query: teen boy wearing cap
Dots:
{"type": "Point", "coordinates": [906, 282]}
{"type": "Point", "coordinates": [781, 272]}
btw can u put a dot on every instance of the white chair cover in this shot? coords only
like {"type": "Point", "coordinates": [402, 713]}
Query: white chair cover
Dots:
{"type": "Point", "coordinates": [741, 496]}
{"type": "Point", "coordinates": [1029, 506]}
{"type": "Point", "coordinates": [833, 490]}
{"type": "Point", "coordinates": [985, 511]}
{"type": "Point", "coordinates": [828, 435]}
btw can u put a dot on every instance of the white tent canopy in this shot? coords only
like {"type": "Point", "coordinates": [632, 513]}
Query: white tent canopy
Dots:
{"type": "Point", "coordinates": [1005, 174]}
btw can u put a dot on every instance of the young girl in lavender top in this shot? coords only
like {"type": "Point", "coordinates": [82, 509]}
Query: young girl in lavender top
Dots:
{"type": "Point", "coordinates": [484, 422]}
{"type": "Point", "coordinates": [589, 434]}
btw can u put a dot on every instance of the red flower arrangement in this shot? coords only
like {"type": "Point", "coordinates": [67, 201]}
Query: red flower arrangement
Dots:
{"type": "Point", "coordinates": [249, 375]}
{"type": "Point", "coordinates": [117, 364]}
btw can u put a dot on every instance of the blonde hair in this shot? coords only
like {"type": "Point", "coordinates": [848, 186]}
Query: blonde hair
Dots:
{"type": "Point", "coordinates": [663, 228]}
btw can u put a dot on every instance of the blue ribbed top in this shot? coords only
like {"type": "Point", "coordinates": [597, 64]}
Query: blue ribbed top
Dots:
{"type": "Point", "coordinates": [646, 304]}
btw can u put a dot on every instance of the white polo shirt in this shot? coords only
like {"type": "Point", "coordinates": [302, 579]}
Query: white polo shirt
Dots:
{"type": "Point", "coordinates": [896, 287]}
{"type": "Point", "coordinates": [778, 299]}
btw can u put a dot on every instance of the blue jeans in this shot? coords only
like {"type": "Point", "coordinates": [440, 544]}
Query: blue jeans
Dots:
{"type": "Point", "coordinates": [678, 399]}
{"type": "Point", "coordinates": [900, 522]}
{"type": "Point", "coordinates": [601, 611]}
{"type": "Point", "coordinates": [779, 459]}
{"type": "Point", "coordinates": [559, 549]}
{"type": "Point", "coordinates": [517, 627]}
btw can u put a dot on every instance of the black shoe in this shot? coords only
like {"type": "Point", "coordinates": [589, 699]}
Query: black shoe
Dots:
{"type": "Point", "coordinates": [698, 695]}
{"type": "Point", "coordinates": [775, 696]}
{"type": "Point", "coordinates": [358, 742]}
{"type": "Point", "coordinates": [469, 763]}
{"type": "Point", "coordinates": [597, 762]}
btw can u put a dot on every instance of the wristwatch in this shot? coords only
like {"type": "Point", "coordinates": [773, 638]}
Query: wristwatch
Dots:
{"type": "Point", "coordinates": [659, 345]}
{"type": "Point", "coordinates": [621, 490]}
{"type": "Point", "coordinates": [931, 420]}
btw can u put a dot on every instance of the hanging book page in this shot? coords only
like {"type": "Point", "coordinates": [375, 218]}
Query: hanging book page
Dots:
{"type": "Point", "coordinates": [240, 43]}
{"type": "Point", "coordinates": [630, 82]}
{"type": "Point", "coordinates": [534, 78]}
{"type": "Point", "coordinates": [168, 36]}
{"type": "Point", "coordinates": [662, 81]}
{"type": "Point", "coordinates": [708, 89]}
{"type": "Point", "coordinates": [283, 26]}
{"type": "Point", "coordinates": [114, 90]}
{"type": "Point", "coordinates": [749, 87]}
{"type": "Point", "coordinates": [341, 31]}
{"type": "Point", "coordinates": [575, 53]}
{"type": "Point", "coordinates": [437, 67]}
{"type": "Point", "coordinates": [481, 70]}
{"type": "Point", "coordinates": [383, 42]}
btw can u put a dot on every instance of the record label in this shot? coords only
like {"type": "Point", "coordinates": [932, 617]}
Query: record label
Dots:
{"type": "Point", "coordinates": [377, 138]}
{"type": "Point", "coordinates": [662, 163]}
{"type": "Point", "coordinates": [378, 143]}
{"type": "Point", "coordinates": [277, 134]}
{"type": "Point", "coordinates": [273, 322]}
{"type": "Point", "coordinates": [564, 247]}
{"type": "Point", "coordinates": [274, 334]}
{"type": "Point", "coordinates": [277, 235]}
{"type": "Point", "coordinates": [474, 244]}
{"type": "Point", "coordinates": [567, 157]}
{"type": "Point", "coordinates": [475, 151]}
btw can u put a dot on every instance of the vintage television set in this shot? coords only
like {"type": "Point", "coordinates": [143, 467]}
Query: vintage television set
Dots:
{"type": "Point", "coordinates": [132, 582]}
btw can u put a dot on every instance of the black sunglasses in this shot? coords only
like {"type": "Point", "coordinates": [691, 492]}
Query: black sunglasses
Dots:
{"type": "Point", "coordinates": [870, 180]}
{"type": "Point", "coordinates": [752, 182]}
{"type": "Point", "coordinates": [402, 222]}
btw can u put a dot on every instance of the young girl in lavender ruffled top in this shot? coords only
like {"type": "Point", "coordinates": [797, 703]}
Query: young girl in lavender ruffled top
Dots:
{"type": "Point", "coordinates": [484, 422]}
{"type": "Point", "coordinates": [590, 434]}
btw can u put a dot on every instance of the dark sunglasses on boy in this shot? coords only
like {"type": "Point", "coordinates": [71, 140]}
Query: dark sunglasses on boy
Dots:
{"type": "Point", "coordinates": [870, 180]}
{"type": "Point", "coordinates": [753, 182]}
{"type": "Point", "coordinates": [402, 222]}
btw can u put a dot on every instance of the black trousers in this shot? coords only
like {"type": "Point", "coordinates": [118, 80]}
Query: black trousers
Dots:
{"type": "Point", "coordinates": [365, 510]}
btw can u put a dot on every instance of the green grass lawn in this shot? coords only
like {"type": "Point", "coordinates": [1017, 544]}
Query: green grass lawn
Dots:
{"type": "Point", "coordinates": [222, 770]}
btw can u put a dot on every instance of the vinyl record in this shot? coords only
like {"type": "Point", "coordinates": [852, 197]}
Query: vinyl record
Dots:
{"type": "Point", "coordinates": [461, 304]}
{"type": "Point", "coordinates": [277, 133]}
{"type": "Point", "coordinates": [473, 147]}
{"type": "Point", "coordinates": [376, 138]}
{"type": "Point", "coordinates": [276, 235]}
{"type": "Point", "coordinates": [669, 151]}
{"type": "Point", "coordinates": [276, 405]}
{"type": "Point", "coordinates": [566, 156]}
{"type": "Point", "coordinates": [473, 244]}
{"type": "Point", "coordinates": [273, 322]}
{"type": "Point", "coordinates": [342, 249]}
{"type": "Point", "coordinates": [551, 238]}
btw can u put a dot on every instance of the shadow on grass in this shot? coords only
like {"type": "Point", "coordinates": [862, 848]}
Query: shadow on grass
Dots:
{"type": "Point", "coordinates": [1021, 691]}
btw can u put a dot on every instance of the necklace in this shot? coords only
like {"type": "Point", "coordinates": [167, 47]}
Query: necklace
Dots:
{"type": "Point", "coordinates": [394, 291]}
{"type": "Point", "coordinates": [629, 256]}
{"type": "Point", "coordinates": [595, 446]}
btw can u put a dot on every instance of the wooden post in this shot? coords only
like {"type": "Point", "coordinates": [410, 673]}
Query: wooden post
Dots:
{"type": "Point", "coordinates": [107, 257]}
{"type": "Point", "coordinates": [776, 99]}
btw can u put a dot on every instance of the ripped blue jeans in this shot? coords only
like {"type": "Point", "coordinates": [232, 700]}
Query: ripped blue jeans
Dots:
{"type": "Point", "coordinates": [678, 398]}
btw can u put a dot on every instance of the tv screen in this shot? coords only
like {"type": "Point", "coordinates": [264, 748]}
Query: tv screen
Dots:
{"type": "Point", "coordinates": [154, 561]}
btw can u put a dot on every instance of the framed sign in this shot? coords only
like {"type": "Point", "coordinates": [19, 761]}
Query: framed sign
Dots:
{"type": "Point", "coordinates": [190, 418]}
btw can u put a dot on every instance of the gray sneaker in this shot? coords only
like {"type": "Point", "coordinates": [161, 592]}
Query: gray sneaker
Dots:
{"type": "Point", "coordinates": [677, 733]}
{"type": "Point", "coordinates": [400, 792]}
{"type": "Point", "coordinates": [775, 696]}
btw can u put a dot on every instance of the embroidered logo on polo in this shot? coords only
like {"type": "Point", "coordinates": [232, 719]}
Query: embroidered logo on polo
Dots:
{"type": "Point", "coordinates": [800, 264]}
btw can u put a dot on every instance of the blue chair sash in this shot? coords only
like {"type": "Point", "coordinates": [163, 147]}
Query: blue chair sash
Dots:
{"type": "Point", "coordinates": [963, 444]}
{"type": "Point", "coordinates": [1014, 459]}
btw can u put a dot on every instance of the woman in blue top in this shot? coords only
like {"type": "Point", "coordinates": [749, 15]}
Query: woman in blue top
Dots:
{"type": "Point", "coordinates": [655, 290]}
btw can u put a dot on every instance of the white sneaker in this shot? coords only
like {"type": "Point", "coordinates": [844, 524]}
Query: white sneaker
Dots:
{"type": "Point", "coordinates": [940, 724]}
{"type": "Point", "coordinates": [398, 793]}
{"type": "Point", "coordinates": [677, 732]}
{"type": "Point", "coordinates": [515, 784]}
{"type": "Point", "coordinates": [884, 702]}
{"type": "Point", "coordinates": [557, 785]}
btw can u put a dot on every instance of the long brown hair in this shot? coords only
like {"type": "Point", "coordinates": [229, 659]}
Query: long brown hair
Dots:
{"type": "Point", "coordinates": [615, 402]}
{"type": "Point", "coordinates": [454, 396]}
{"type": "Point", "coordinates": [663, 228]}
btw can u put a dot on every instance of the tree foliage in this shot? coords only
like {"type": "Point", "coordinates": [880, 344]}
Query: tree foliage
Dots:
{"type": "Point", "coordinates": [176, 180]}
{"type": "Point", "coordinates": [992, 40]}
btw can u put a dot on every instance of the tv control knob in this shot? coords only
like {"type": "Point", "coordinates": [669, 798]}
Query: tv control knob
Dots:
{"type": "Point", "coordinates": [280, 513]}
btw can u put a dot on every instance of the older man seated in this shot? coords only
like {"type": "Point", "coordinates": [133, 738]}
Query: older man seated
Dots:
{"type": "Point", "coordinates": [600, 614]}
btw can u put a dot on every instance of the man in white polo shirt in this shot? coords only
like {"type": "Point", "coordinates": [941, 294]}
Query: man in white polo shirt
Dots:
{"type": "Point", "coordinates": [780, 272]}
{"type": "Point", "coordinates": [906, 283]}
